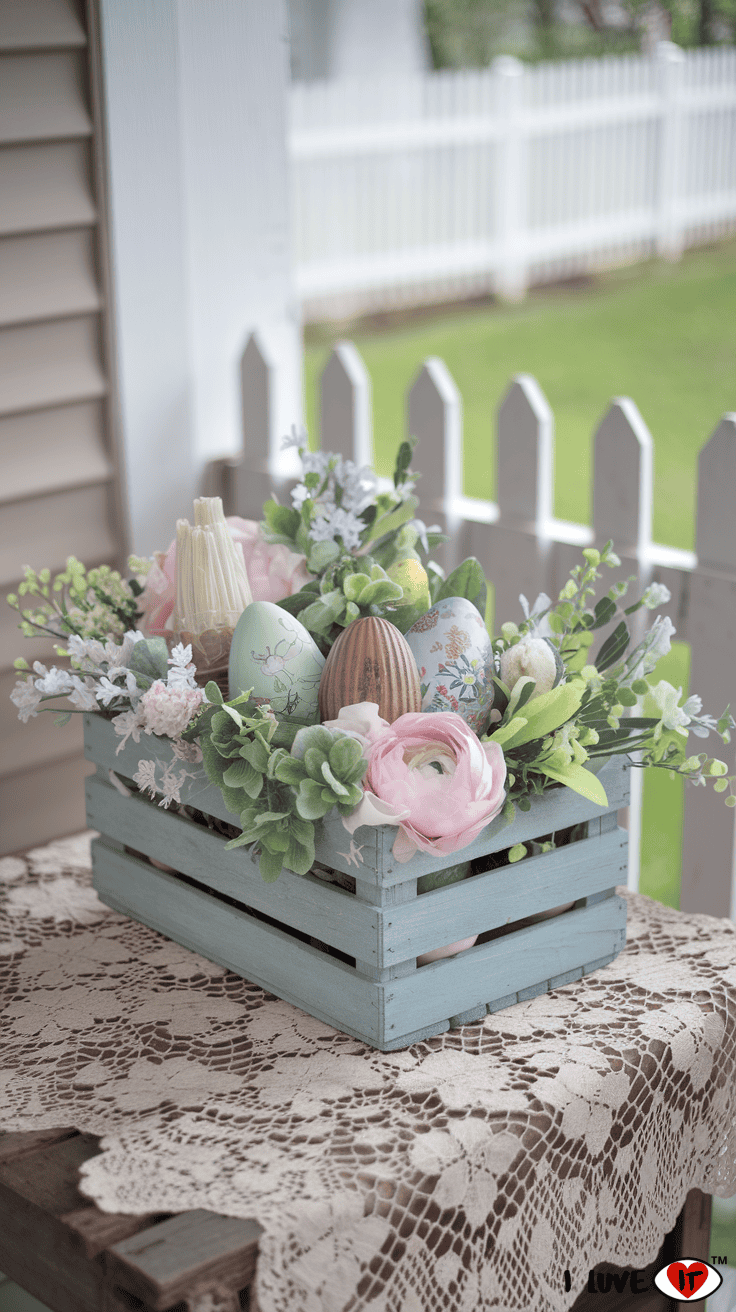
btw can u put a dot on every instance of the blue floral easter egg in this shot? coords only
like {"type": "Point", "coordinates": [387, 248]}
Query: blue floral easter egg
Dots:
{"type": "Point", "coordinates": [452, 649]}
{"type": "Point", "coordinates": [275, 655]}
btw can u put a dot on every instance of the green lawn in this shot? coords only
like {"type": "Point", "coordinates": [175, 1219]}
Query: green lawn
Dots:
{"type": "Point", "coordinates": [662, 334]}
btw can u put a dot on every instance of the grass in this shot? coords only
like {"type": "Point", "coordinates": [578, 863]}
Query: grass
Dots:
{"type": "Point", "coordinates": [663, 334]}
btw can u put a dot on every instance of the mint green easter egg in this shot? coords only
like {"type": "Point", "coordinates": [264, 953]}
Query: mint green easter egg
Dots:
{"type": "Point", "coordinates": [275, 655]}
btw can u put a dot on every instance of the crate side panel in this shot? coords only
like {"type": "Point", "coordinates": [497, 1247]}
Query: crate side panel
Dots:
{"type": "Point", "coordinates": [506, 966]}
{"type": "Point", "coordinates": [101, 745]}
{"type": "Point", "coordinates": [257, 952]}
{"type": "Point", "coordinates": [324, 911]}
{"type": "Point", "coordinates": [556, 809]}
{"type": "Point", "coordinates": [502, 896]}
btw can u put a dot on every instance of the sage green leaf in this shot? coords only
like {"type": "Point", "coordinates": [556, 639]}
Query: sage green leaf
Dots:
{"type": "Point", "coordinates": [312, 735]}
{"type": "Point", "coordinates": [468, 581]}
{"type": "Point", "coordinates": [344, 755]}
{"type": "Point", "coordinates": [150, 660]}
{"type": "Point", "coordinates": [256, 753]}
{"type": "Point", "coordinates": [332, 782]}
{"type": "Point", "coordinates": [299, 856]}
{"type": "Point", "coordinates": [242, 775]}
{"type": "Point", "coordinates": [321, 555]}
{"type": "Point", "coordinates": [352, 612]}
{"type": "Point", "coordinates": [313, 800]}
{"type": "Point", "coordinates": [270, 865]}
{"type": "Point", "coordinates": [354, 585]}
{"type": "Point", "coordinates": [213, 694]}
{"type": "Point", "coordinates": [281, 519]}
{"type": "Point", "coordinates": [394, 520]}
{"type": "Point", "coordinates": [579, 780]}
{"type": "Point", "coordinates": [289, 771]}
{"type": "Point", "coordinates": [214, 765]}
{"type": "Point", "coordinates": [233, 798]}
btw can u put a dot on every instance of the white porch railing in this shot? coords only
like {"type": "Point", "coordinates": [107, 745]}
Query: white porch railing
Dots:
{"type": "Point", "coordinates": [453, 183]}
{"type": "Point", "coordinates": [523, 549]}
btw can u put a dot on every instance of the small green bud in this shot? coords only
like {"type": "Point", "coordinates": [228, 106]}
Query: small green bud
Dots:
{"type": "Point", "coordinates": [730, 801]}
{"type": "Point", "coordinates": [517, 853]}
{"type": "Point", "coordinates": [20, 663]}
{"type": "Point", "coordinates": [509, 631]}
{"type": "Point", "coordinates": [569, 591]}
{"type": "Point", "coordinates": [718, 768]}
{"type": "Point", "coordinates": [640, 687]}
{"type": "Point", "coordinates": [592, 556]}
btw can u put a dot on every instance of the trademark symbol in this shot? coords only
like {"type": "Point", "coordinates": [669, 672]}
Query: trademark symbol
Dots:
{"type": "Point", "coordinates": [719, 1261]}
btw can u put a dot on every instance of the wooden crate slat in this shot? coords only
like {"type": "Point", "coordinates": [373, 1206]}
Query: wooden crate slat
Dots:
{"type": "Point", "coordinates": [555, 810]}
{"type": "Point", "coordinates": [502, 896]}
{"type": "Point", "coordinates": [183, 1256]}
{"type": "Point", "coordinates": [222, 933]}
{"type": "Point", "coordinates": [504, 966]}
{"type": "Point", "coordinates": [325, 912]}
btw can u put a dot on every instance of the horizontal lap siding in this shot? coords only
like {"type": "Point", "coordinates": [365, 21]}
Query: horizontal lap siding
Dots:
{"type": "Point", "coordinates": [60, 493]}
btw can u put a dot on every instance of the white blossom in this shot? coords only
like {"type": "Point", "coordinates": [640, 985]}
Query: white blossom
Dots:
{"type": "Point", "coordinates": [129, 724]}
{"type": "Point", "coordinates": [182, 672]}
{"type": "Point", "coordinates": [145, 777]}
{"type": "Point", "coordinates": [655, 644]}
{"type": "Point", "coordinates": [54, 682]}
{"type": "Point", "coordinates": [26, 697]}
{"type": "Point", "coordinates": [106, 691]}
{"type": "Point", "coordinates": [657, 594]}
{"type": "Point", "coordinates": [83, 694]}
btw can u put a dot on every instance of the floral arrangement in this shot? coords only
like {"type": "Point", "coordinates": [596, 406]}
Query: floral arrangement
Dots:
{"type": "Point", "coordinates": [456, 728]}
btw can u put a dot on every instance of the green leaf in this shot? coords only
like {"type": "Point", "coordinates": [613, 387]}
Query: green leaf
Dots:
{"type": "Point", "coordinates": [298, 601]}
{"type": "Point", "coordinates": [508, 732]}
{"type": "Point", "coordinates": [288, 770]}
{"type": "Point", "coordinates": [613, 648]}
{"type": "Point", "coordinates": [150, 660]}
{"type": "Point", "coordinates": [62, 718]}
{"type": "Point", "coordinates": [344, 755]}
{"type": "Point", "coordinates": [394, 520]}
{"type": "Point", "coordinates": [270, 865]}
{"type": "Point", "coordinates": [299, 855]}
{"type": "Point", "coordinates": [242, 775]}
{"type": "Point", "coordinates": [214, 765]}
{"type": "Point", "coordinates": [339, 789]}
{"type": "Point", "coordinates": [603, 613]}
{"type": "Point", "coordinates": [321, 556]}
{"type": "Point", "coordinates": [255, 752]}
{"type": "Point", "coordinates": [313, 800]}
{"type": "Point", "coordinates": [546, 713]}
{"type": "Point", "coordinates": [468, 581]}
{"type": "Point", "coordinates": [579, 780]}
{"type": "Point", "coordinates": [354, 585]}
{"type": "Point", "coordinates": [213, 694]}
{"type": "Point", "coordinates": [281, 519]}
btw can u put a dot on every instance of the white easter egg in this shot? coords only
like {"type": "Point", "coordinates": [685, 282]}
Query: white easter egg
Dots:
{"type": "Point", "coordinates": [275, 655]}
{"type": "Point", "coordinates": [452, 649]}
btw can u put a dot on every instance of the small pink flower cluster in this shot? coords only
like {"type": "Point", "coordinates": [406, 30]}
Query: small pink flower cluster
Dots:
{"type": "Point", "coordinates": [167, 711]}
{"type": "Point", "coordinates": [428, 774]}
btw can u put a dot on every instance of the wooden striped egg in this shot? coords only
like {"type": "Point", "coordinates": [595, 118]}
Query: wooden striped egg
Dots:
{"type": "Point", "coordinates": [371, 661]}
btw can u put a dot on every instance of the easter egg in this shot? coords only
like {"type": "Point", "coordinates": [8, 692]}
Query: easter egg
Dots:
{"type": "Point", "coordinates": [452, 649]}
{"type": "Point", "coordinates": [275, 655]}
{"type": "Point", "coordinates": [370, 662]}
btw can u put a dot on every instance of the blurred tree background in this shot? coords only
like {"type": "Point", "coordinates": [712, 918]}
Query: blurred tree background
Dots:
{"type": "Point", "coordinates": [470, 33]}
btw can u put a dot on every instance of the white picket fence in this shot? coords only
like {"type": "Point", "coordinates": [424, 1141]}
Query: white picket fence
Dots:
{"type": "Point", "coordinates": [523, 549]}
{"type": "Point", "coordinates": [456, 183]}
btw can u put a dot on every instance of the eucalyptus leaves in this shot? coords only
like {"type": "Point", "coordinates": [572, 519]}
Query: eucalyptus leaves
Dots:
{"type": "Point", "coordinates": [276, 793]}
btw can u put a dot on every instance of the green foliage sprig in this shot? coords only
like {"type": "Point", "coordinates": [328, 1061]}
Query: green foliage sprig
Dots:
{"type": "Point", "coordinates": [97, 603]}
{"type": "Point", "coordinates": [355, 586]}
{"type": "Point", "coordinates": [278, 794]}
{"type": "Point", "coordinates": [556, 736]}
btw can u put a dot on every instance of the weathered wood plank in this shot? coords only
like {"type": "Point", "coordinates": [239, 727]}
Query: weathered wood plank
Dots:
{"type": "Point", "coordinates": [502, 896]}
{"type": "Point", "coordinates": [14, 1144]}
{"type": "Point", "coordinates": [500, 968]}
{"type": "Point", "coordinates": [222, 933]}
{"type": "Point", "coordinates": [302, 902]}
{"type": "Point", "coordinates": [183, 1257]}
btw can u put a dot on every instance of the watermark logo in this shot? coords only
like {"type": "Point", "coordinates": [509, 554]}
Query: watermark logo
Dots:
{"type": "Point", "coordinates": [688, 1281]}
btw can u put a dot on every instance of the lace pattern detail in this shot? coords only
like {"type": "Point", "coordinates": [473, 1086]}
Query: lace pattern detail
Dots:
{"type": "Point", "coordinates": [464, 1173]}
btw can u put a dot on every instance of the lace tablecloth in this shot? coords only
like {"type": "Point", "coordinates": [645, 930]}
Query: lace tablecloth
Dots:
{"type": "Point", "coordinates": [464, 1173]}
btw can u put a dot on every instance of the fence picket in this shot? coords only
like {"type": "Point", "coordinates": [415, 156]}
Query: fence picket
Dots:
{"type": "Point", "coordinates": [435, 418]}
{"type": "Point", "coordinates": [249, 478]}
{"type": "Point", "coordinates": [525, 435]}
{"type": "Point", "coordinates": [345, 405]}
{"type": "Point", "coordinates": [709, 827]}
{"type": "Point", "coordinates": [622, 479]}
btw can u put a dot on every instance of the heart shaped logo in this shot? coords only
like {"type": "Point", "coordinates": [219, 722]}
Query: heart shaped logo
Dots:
{"type": "Point", "coordinates": [687, 1279]}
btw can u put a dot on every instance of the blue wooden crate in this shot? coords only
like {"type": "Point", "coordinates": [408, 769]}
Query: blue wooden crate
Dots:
{"type": "Point", "coordinates": [217, 905]}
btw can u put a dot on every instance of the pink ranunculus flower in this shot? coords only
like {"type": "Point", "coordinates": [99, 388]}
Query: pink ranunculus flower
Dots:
{"type": "Point", "coordinates": [432, 776]}
{"type": "Point", "coordinates": [273, 572]}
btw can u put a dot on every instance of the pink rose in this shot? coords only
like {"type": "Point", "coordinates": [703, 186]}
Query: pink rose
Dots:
{"type": "Point", "coordinates": [432, 776]}
{"type": "Point", "coordinates": [273, 572]}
